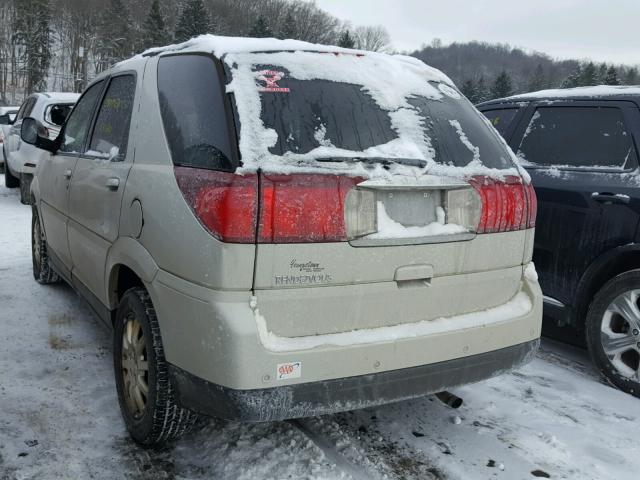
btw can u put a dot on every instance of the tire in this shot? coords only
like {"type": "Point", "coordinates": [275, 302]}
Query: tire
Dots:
{"type": "Point", "coordinates": [156, 417]}
{"type": "Point", "coordinates": [42, 271]}
{"type": "Point", "coordinates": [10, 181]}
{"type": "Point", "coordinates": [613, 331]}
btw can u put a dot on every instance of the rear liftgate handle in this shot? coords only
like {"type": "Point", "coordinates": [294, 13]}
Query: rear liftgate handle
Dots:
{"type": "Point", "coordinates": [608, 197]}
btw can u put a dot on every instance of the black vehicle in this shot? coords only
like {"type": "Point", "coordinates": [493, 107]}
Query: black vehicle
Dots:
{"type": "Point", "coordinates": [580, 147]}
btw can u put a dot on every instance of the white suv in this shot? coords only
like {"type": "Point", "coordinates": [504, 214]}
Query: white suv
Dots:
{"type": "Point", "coordinates": [50, 108]}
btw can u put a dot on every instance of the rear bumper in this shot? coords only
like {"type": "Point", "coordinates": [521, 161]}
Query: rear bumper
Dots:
{"type": "Point", "coordinates": [336, 395]}
{"type": "Point", "coordinates": [218, 337]}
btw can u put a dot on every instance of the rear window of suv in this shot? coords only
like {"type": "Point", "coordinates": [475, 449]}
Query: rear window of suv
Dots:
{"type": "Point", "coordinates": [583, 137]}
{"type": "Point", "coordinates": [193, 112]}
{"type": "Point", "coordinates": [501, 118]}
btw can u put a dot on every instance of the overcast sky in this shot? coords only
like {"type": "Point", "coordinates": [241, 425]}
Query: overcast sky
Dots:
{"type": "Point", "coordinates": [596, 29]}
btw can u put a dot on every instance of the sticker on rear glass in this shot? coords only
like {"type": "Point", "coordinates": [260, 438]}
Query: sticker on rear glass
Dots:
{"type": "Point", "coordinates": [285, 371]}
{"type": "Point", "coordinates": [271, 79]}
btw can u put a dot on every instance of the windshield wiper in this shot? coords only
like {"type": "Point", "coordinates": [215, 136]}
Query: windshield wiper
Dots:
{"type": "Point", "coordinates": [385, 161]}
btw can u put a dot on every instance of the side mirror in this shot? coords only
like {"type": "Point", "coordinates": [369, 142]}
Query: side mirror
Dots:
{"type": "Point", "coordinates": [5, 119]}
{"type": "Point", "coordinates": [35, 133]}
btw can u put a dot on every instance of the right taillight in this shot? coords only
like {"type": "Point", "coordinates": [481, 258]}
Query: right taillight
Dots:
{"type": "Point", "coordinates": [507, 204]}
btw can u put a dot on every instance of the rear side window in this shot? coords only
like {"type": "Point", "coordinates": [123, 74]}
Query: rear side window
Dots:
{"type": "Point", "coordinates": [77, 126]}
{"type": "Point", "coordinates": [193, 112]}
{"type": "Point", "coordinates": [58, 113]}
{"type": "Point", "coordinates": [25, 109]}
{"type": "Point", "coordinates": [501, 119]}
{"type": "Point", "coordinates": [587, 137]}
{"type": "Point", "coordinates": [111, 132]}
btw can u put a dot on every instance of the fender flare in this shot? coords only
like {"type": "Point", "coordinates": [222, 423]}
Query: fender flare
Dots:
{"type": "Point", "coordinates": [130, 253]}
{"type": "Point", "coordinates": [594, 270]}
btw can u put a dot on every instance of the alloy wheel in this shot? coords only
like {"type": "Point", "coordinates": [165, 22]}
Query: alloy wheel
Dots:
{"type": "Point", "coordinates": [135, 367]}
{"type": "Point", "coordinates": [620, 334]}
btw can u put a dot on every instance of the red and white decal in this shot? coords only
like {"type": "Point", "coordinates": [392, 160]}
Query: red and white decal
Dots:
{"type": "Point", "coordinates": [285, 371]}
{"type": "Point", "coordinates": [271, 79]}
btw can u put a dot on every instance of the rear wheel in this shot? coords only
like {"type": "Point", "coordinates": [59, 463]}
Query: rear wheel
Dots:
{"type": "Point", "coordinates": [42, 271]}
{"type": "Point", "coordinates": [10, 181]}
{"type": "Point", "coordinates": [151, 412]}
{"type": "Point", "coordinates": [613, 331]}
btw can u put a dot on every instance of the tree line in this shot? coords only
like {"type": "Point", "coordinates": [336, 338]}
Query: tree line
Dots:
{"type": "Point", "coordinates": [62, 45]}
{"type": "Point", "coordinates": [486, 71]}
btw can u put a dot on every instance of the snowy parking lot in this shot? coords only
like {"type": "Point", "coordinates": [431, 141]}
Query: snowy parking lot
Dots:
{"type": "Point", "coordinates": [59, 415]}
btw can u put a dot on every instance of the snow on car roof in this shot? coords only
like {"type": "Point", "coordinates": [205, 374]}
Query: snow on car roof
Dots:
{"type": "Point", "coordinates": [61, 96]}
{"type": "Point", "coordinates": [596, 91]}
{"type": "Point", "coordinates": [221, 45]}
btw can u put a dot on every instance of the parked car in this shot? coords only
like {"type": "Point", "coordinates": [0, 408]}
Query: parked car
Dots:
{"type": "Point", "coordinates": [51, 109]}
{"type": "Point", "coordinates": [7, 116]}
{"type": "Point", "coordinates": [580, 148]}
{"type": "Point", "coordinates": [271, 234]}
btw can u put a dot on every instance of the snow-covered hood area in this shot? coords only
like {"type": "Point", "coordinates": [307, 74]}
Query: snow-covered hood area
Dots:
{"type": "Point", "coordinates": [390, 80]}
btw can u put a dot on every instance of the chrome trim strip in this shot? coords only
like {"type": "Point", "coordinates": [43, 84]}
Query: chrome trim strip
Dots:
{"type": "Point", "coordinates": [552, 301]}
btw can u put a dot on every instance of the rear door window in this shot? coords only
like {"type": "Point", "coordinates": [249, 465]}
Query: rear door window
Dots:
{"type": "Point", "coordinates": [501, 119]}
{"type": "Point", "coordinates": [193, 112]}
{"type": "Point", "coordinates": [582, 137]}
{"type": "Point", "coordinates": [111, 131]}
{"type": "Point", "coordinates": [79, 122]}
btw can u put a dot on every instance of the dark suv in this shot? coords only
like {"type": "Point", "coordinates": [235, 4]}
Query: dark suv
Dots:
{"type": "Point", "coordinates": [579, 146]}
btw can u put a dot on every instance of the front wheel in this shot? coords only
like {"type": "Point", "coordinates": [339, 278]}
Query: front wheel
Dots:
{"type": "Point", "coordinates": [10, 181]}
{"type": "Point", "coordinates": [151, 412]}
{"type": "Point", "coordinates": [42, 271]}
{"type": "Point", "coordinates": [613, 331]}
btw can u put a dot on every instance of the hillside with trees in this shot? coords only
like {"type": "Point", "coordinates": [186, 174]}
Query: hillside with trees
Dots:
{"type": "Point", "coordinates": [484, 71]}
{"type": "Point", "coordinates": [63, 44]}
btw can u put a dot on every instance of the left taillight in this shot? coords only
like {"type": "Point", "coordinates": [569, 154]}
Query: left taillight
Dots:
{"type": "Point", "coordinates": [270, 208]}
{"type": "Point", "coordinates": [226, 204]}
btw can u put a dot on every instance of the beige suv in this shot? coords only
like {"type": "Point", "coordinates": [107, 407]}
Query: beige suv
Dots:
{"type": "Point", "coordinates": [276, 229]}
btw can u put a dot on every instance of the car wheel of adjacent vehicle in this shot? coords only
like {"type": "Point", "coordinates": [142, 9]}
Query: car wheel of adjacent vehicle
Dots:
{"type": "Point", "coordinates": [151, 412]}
{"type": "Point", "coordinates": [10, 181]}
{"type": "Point", "coordinates": [613, 331]}
{"type": "Point", "coordinates": [42, 271]}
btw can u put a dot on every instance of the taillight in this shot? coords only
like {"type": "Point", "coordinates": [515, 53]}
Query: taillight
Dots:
{"type": "Point", "coordinates": [292, 209]}
{"type": "Point", "coordinates": [225, 203]}
{"type": "Point", "coordinates": [506, 205]}
{"type": "Point", "coordinates": [303, 208]}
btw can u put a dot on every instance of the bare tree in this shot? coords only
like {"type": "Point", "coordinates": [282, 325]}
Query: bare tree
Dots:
{"type": "Point", "coordinates": [372, 38]}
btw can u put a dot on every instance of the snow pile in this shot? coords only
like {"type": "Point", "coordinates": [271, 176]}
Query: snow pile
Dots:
{"type": "Point", "coordinates": [518, 306]}
{"type": "Point", "coordinates": [389, 228]}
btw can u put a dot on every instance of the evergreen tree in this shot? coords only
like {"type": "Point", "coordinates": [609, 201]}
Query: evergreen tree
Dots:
{"type": "Point", "coordinates": [502, 86]}
{"type": "Point", "coordinates": [288, 29]}
{"type": "Point", "coordinates": [154, 29]}
{"type": "Point", "coordinates": [468, 89]}
{"type": "Point", "coordinates": [193, 21]}
{"type": "Point", "coordinates": [482, 93]}
{"type": "Point", "coordinates": [573, 80]}
{"type": "Point", "coordinates": [631, 76]}
{"type": "Point", "coordinates": [589, 75]}
{"type": "Point", "coordinates": [346, 40]}
{"type": "Point", "coordinates": [602, 73]}
{"type": "Point", "coordinates": [115, 34]}
{"type": "Point", "coordinates": [32, 31]}
{"type": "Point", "coordinates": [539, 80]}
{"type": "Point", "coordinates": [260, 28]}
{"type": "Point", "coordinates": [612, 77]}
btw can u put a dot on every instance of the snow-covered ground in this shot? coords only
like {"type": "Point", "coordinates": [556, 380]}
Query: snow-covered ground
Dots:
{"type": "Point", "coordinates": [59, 414]}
